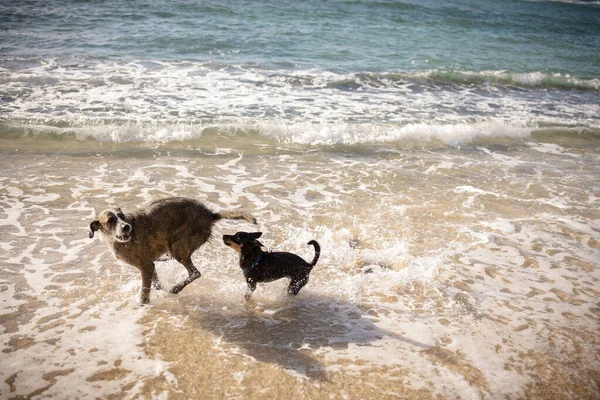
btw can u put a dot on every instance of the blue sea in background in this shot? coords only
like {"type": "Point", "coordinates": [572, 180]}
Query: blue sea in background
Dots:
{"type": "Point", "coordinates": [309, 71]}
{"type": "Point", "coordinates": [550, 37]}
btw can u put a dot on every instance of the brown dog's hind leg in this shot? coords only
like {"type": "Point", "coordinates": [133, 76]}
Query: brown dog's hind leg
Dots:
{"type": "Point", "coordinates": [155, 282]}
{"type": "Point", "coordinates": [182, 251]}
{"type": "Point", "coordinates": [193, 274]}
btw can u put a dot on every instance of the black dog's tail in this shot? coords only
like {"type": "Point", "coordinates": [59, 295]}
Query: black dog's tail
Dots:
{"type": "Point", "coordinates": [317, 252]}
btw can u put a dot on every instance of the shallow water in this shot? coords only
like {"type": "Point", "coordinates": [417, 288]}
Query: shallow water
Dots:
{"type": "Point", "coordinates": [455, 272]}
{"type": "Point", "coordinates": [445, 154]}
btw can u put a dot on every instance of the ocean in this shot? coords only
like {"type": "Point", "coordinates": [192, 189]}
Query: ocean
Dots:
{"type": "Point", "coordinates": [445, 155]}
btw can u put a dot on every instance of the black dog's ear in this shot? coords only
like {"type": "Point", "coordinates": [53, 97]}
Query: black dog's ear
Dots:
{"type": "Point", "coordinates": [255, 235]}
{"type": "Point", "coordinates": [94, 226]}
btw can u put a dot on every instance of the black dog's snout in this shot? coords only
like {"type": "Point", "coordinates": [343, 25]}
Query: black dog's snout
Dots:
{"type": "Point", "coordinates": [126, 228]}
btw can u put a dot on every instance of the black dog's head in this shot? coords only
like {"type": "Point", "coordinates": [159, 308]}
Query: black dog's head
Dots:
{"type": "Point", "coordinates": [242, 241]}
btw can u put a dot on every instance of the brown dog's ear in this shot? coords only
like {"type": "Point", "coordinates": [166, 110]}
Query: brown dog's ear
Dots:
{"type": "Point", "coordinates": [94, 226]}
{"type": "Point", "coordinates": [255, 235]}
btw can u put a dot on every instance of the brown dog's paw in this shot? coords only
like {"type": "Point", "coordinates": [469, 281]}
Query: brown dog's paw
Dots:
{"type": "Point", "coordinates": [177, 288]}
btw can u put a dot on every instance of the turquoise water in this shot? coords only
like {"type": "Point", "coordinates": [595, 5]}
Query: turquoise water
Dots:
{"type": "Point", "coordinates": [341, 36]}
{"type": "Point", "coordinates": [394, 69]}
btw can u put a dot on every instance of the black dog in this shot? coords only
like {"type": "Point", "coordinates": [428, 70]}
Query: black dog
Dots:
{"type": "Point", "coordinates": [261, 266]}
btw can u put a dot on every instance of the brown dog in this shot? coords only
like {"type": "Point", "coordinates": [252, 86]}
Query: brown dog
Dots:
{"type": "Point", "coordinates": [177, 226]}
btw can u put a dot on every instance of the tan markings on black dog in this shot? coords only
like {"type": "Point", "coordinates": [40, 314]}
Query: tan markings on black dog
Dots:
{"type": "Point", "coordinates": [235, 246]}
{"type": "Point", "coordinates": [260, 266]}
{"type": "Point", "coordinates": [177, 226]}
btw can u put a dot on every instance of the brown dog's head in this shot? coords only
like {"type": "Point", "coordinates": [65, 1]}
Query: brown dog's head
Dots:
{"type": "Point", "coordinates": [241, 239]}
{"type": "Point", "coordinates": [112, 224]}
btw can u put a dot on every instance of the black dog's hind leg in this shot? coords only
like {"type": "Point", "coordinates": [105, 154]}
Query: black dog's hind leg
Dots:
{"type": "Point", "coordinates": [296, 284]}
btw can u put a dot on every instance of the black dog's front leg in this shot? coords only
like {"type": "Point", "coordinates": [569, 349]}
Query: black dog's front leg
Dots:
{"type": "Point", "coordinates": [251, 288]}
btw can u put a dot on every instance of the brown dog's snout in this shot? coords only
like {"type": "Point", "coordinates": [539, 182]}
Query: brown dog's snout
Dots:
{"type": "Point", "coordinates": [94, 226]}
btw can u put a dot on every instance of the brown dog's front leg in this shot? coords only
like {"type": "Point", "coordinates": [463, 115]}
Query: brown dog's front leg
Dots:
{"type": "Point", "coordinates": [148, 274]}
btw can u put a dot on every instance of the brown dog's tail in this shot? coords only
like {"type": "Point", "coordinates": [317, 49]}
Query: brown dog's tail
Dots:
{"type": "Point", "coordinates": [236, 215]}
{"type": "Point", "coordinates": [317, 252]}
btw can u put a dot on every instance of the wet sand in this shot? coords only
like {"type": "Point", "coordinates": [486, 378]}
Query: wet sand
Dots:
{"type": "Point", "coordinates": [445, 273]}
